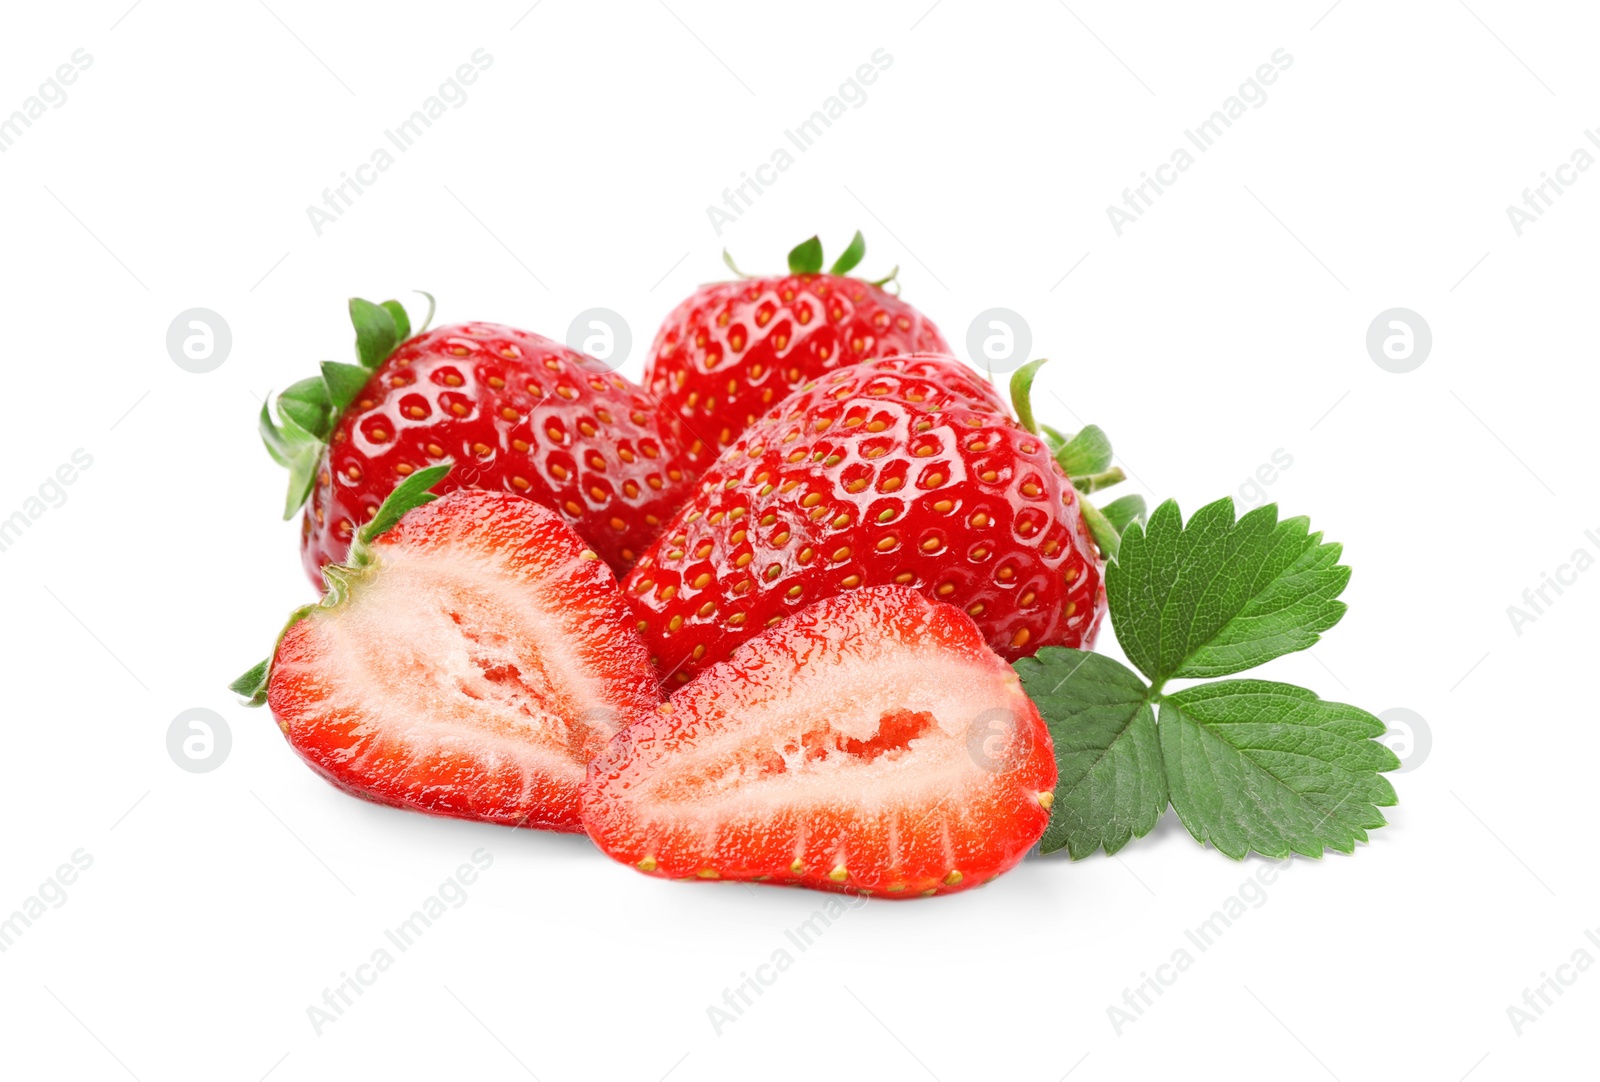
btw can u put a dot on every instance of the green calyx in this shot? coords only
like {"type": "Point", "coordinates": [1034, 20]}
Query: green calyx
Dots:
{"type": "Point", "coordinates": [806, 258]}
{"type": "Point", "coordinates": [411, 493]}
{"type": "Point", "coordinates": [309, 410]}
{"type": "Point", "coordinates": [1085, 457]}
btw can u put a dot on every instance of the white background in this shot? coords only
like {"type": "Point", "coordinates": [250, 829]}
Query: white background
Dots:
{"type": "Point", "coordinates": [1227, 323]}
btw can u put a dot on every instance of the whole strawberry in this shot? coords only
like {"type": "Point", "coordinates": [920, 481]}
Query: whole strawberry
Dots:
{"type": "Point", "coordinates": [902, 471]}
{"type": "Point", "coordinates": [732, 350]}
{"type": "Point", "coordinates": [515, 411]}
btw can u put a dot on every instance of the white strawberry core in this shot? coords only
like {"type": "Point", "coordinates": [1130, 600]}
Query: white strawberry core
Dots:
{"type": "Point", "coordinates": [872, 730]}
{"type": "Point", "coordinates": [450, 649]}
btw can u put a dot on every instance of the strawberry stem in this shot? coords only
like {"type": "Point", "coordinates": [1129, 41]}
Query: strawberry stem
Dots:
{"type": "Point", "coordinates": [1094, 482]}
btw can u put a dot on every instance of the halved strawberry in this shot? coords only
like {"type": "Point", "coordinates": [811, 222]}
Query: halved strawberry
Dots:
{"type": "Point", "coordinates": [871, 743]}
{"type": "Point", "coordinates": [468, 662]}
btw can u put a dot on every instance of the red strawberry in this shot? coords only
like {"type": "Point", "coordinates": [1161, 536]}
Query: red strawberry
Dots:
{"type": "Point", "coordinates": [906, 470]}
{"type": "Point", "coordinates": [734, 349]}
{"type": "Point", "coordinates": [872, 743]}
{"type": "Point", "coordinates": [518, 412]}
{"type": "Point", "coordinates": [468, 662]}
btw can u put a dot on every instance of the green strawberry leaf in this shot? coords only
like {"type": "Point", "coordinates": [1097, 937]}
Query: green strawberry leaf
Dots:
{"type": "Point", "coordinates": [343, 383]}
{"type": "Point", "coordinates": [852, 255]}
{"type": "Point", "coordinates": [1216, 596]}
{"type": "Point", "coordinates": [806, 257]}
{"type": "Point", "coordinates": [1111, 786]}
{"type": "Point", "coordinates": [1087, 453]}
{"type": "Point", "coordinates": [1121, 512]}
{"type": "Point", "coordinates": [376, 332]}
{"type": "Point", "coordinates": [1256, 765]}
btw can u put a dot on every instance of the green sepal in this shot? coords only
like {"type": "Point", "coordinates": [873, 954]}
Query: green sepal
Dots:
{"type": "Point", "coordinates": [852, 255]}
{"type": "Point", "coordinates": [727, 257]}
{"type": "Point", "coordinates": [408, 494]}
{"type": "Point", "coordinates": [343, 383]}
{"type": "Point", "coordinates": [806, 257]}
{"type": "Point", "coordinates": [1085, 454]}
{"type": "Point", "coordinates": [253, 684]}
{"type": "Point", "coordinates": [1106, 535]}
{"type": "Point", "coordinates": [295, 449]}
{"type": "Point", "coordinates": [309, 410]}
{"type": "Point", "coordinates": [302, 476]}
{"type": "Point", "coordinates": [1022, 394]}
{"type": "Point", "coordinates": [402, 322]}
{"type": "Point", "coordinates": [376, 333]}
{"type": "Point", "coordinates": [1121, 512]}
{"type": "Point", "coordinates": [306, 403]}
{"type": "Point", "coordinates": [277, 443]}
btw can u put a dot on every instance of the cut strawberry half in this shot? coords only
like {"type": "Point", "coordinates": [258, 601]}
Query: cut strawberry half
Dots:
{"type": "Point", "coordinates": [871, 743]}
{"type": "Point", "coordinates": [468, 662]}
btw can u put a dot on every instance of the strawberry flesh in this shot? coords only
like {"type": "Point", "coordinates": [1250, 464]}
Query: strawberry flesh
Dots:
{"type": "Point", "coordinates": [471, 669]}
{"type": "Point", "coordinates": [872, 743]}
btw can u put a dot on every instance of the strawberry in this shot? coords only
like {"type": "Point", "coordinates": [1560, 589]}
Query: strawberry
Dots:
{"type": "Point", "coordinates": [904, 470]}
{"type": "Point", "coordinates": [734, 349]}
{"type": "Point", "coordinates": [468, 661]}
{"type": "Point", "coordinates": [519, 412]}
{"type": "Point", "coordinates": [871, 743]}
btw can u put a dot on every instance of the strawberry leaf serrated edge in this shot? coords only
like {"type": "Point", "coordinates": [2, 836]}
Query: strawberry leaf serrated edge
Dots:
{"type": "Point", "coordinates": [309, 409]}
{"type": "Point", "coordinates": [411, 493]}
{"type": "Point", "coordinates": [1215, 596]}
{"type": "Point", "coordinates": [1112, 787]}
{"type": "Point", "coordinates": [1249, 765]}
{"type": "Point", "coordinates": [1254, 765]}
